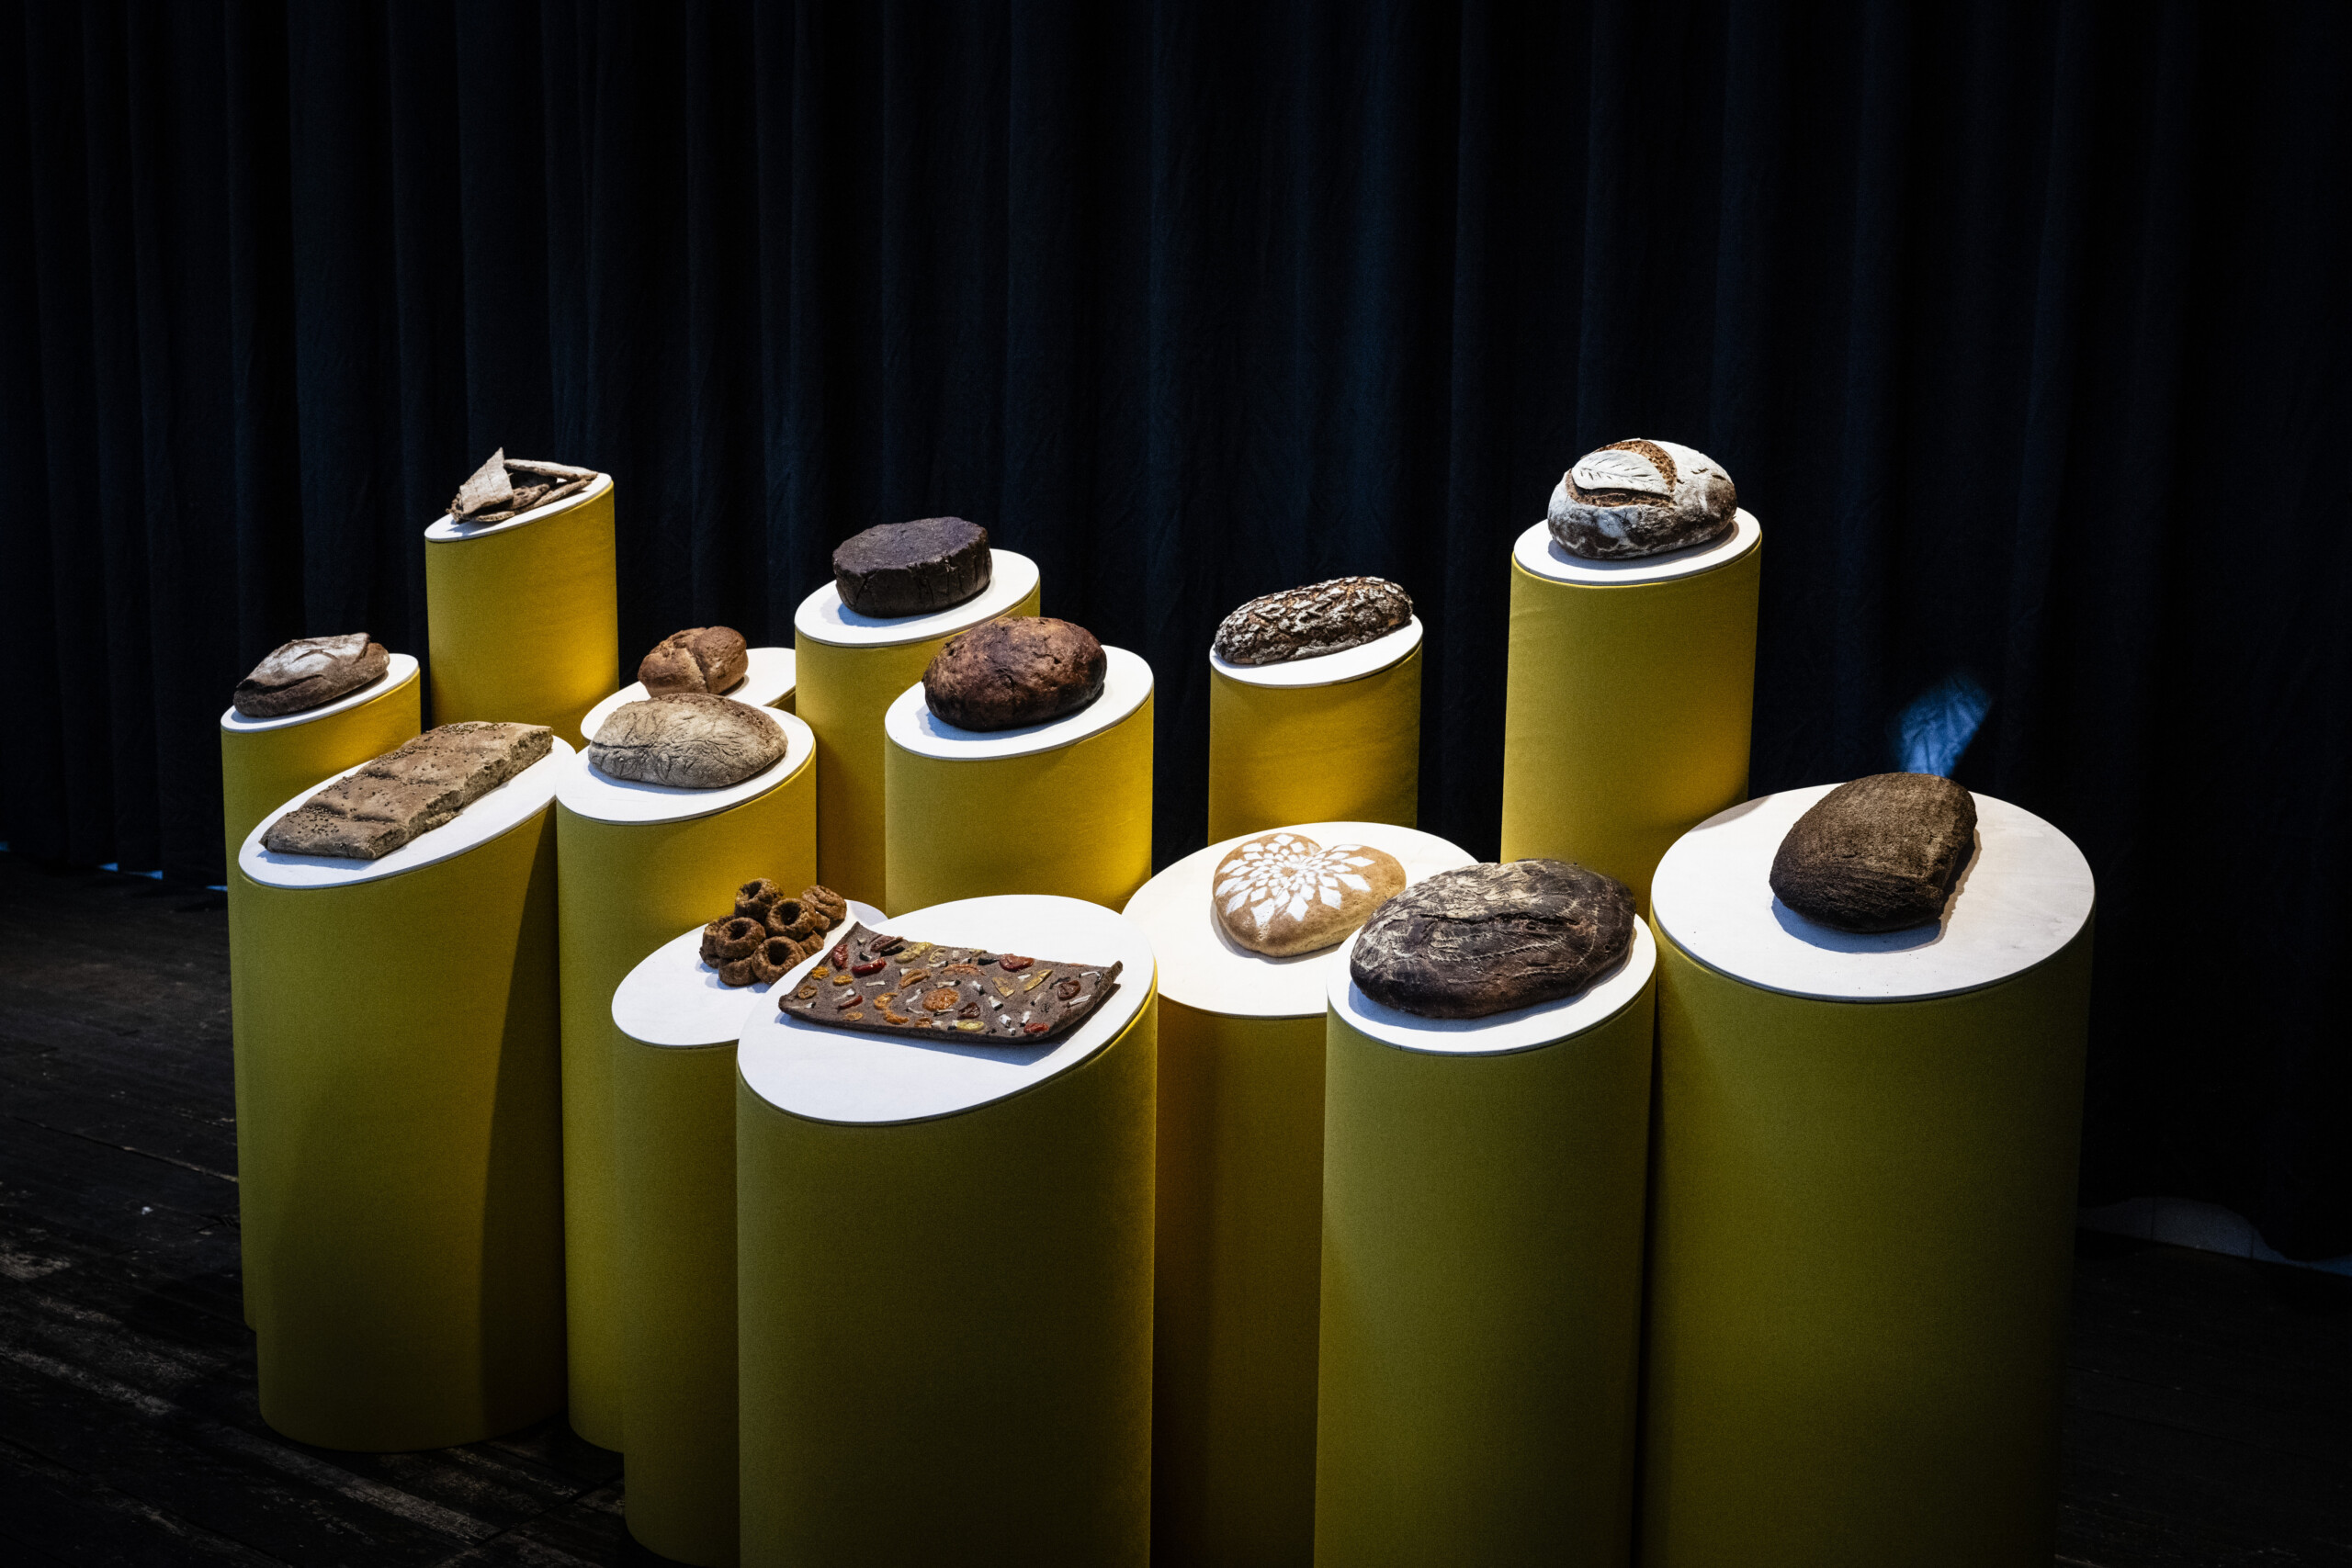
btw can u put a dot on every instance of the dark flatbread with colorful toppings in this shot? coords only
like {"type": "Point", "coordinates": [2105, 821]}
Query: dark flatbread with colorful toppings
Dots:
{"type": "Point", "coordinates": [885, 983]}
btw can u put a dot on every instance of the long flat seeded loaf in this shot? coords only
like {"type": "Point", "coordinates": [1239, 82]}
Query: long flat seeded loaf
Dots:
{"type": "Point", "coordinates": [882, 984]}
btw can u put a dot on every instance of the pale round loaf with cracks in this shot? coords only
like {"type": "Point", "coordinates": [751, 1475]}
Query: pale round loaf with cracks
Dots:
{"type": "Point", "coordinates": [1641, 497]}
{"type": "Point", "coordinates": [1282, 893]}
{"type": "Point", "coordinates": [688, 740]}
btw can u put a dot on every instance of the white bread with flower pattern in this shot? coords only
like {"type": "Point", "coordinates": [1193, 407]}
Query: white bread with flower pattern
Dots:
{"type": "Point", "coordinates": [1281, 893]}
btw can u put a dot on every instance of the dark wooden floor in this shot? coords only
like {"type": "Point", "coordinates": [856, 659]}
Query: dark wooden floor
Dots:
{"type": "Point", "coordinates": [2208, 1400]}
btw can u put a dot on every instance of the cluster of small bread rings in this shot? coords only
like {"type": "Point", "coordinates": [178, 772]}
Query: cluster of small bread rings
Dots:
{"type": "Point", "coordinates": [768, 933]}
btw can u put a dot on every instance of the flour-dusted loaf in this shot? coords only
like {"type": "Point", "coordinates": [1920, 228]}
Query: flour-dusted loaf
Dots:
{"type": "Point", "coordinates": [310, 672]}
{"type": "Point", "coordinates": [1881, 854]}
{"type": "Point", "coordinates": [700, 658]}
{"type": "Point", "coordinates": [507, 487]}
{"type": "Point", "coordinates": [1642, 498]}
{"type": "Point", "coordinates": [1486, 939]}
{"type": "Point", "coordinates": [1020, 670]}
{"type": "Point", "coordinates": [409, 791]}
{"type": "Point", "coordinates": [690, 740]}
{"type": "Point", "coordinates": [913, 568]}
{"type": "Point", "coordinates": [1282, 893]}
{"type": "Point", "coordinates": [1306, 623]}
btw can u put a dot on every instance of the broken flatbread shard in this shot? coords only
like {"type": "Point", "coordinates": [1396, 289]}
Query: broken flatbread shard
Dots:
{"type": "Point", "coordinates": [700, 658]}
{"type": "Point", "coordinates": [1486, 939]}
{"type": "Point", "coordinates": [409, 791]}
{"type": "Point", "coordinates": [911, 568]}
{"type": "Point", "coordinates": [507, 487]}
{"type": "Point", "coordinates": [1881, 854]}
{"type": "Point", "coordinates": [882, 984]}
{"type": "Point", "coordinates": [310, 672]}
{"type": "Point", "coordinates": [1642, 498]}
{"type": "Point", "coordinates": [1280, 894]}
{"type": "Point", "coordinates": [1307, 623]}
{"type": "Point", "coordinates": [1020, 670]}
{"type": "Point", "coordinates": [691, 740]}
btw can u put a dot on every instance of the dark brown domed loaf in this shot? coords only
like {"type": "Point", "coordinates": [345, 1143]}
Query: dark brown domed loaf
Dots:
{"type": "Point", "coordinates": [700, 658]}
{"type": "Point", "coordinates": [1642, 498]}
{"type": "Point", "coordinates": [310, 672]}
{"type": "Point", "coordinates": [1489, 938]}
{"type": "Point", "coordinates": [911, 568]}
{"type": "Point", "coordinates": [1003, 675]}
{"type": "Point", "coordinates": [1306, 623]}
{"type": "Point", "coordinates": [692, 740]}
{"type": "Point", "coordinates": [1879, 855]}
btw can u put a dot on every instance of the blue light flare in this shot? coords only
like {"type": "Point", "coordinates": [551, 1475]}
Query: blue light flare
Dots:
{"type": "Point", "coordinates": [1939, 723]}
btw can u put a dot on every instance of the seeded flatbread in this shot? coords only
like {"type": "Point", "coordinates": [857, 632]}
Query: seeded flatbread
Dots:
{"type": "Point", "coordinates": [884, 984]}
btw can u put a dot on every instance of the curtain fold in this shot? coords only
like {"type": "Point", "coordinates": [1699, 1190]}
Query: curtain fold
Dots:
{"type": "Point", "coordinates": [2020, 328]}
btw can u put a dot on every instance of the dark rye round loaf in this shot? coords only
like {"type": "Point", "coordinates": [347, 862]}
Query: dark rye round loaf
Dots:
{"type": "Point", "coordinates": [1881, 854]}
{"type": "Point", "coordinates": [1486, 939]}
{"type": "Point", "coordinates": [1642, 498]}
{"type": "Point", "coordinates": [1006, 673]}
{"type": "Point", "coordinates": [913, 568]}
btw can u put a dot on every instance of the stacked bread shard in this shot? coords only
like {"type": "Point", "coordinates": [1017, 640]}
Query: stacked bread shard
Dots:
{"type": "Point", "coordinates": [310, 672]}
{"type": "Point", "coordinates": [1642, 498]}
{"type": "Point", "coordinates": [412, 790]}
{"type": "Point", "coordinates": [688, 740]}
{"type": "Point", "coordinates": [700, 658]}
{"type": "Point", "coordinates": [1307, 623]}
{"type": "Point", "coordinates": [507, 487]}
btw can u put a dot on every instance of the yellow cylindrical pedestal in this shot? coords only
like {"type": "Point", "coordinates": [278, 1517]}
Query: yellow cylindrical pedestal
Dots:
{"type": "Point", "coordinates": [1863, 1214]}
{"type": "Point", "coordinates": [637, 867]}
{"type": "Point", "coordinates": [1482, 1279]}
{"type": "Point", "coordinates": [1239, 1207]}
{"type": "Point", "coordinates": [851, 668]}
{"type": "Point", "coordinates": [522, 617]}
{"type": "Point", "coordinates": [1079, 786]}
{"type": "Point", "coordinates": [266, 761]}
{"type": "Point", "coordinates": [945, 1332]}
{"type": "Point", "coordinates": [402, 1159]}
{"type": "Point", "coordinates": [1626, 707]}
{"type": "Point", "coordinates": [1330, 740]}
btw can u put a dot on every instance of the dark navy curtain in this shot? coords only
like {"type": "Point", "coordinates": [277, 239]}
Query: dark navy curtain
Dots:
{"type": "Point", "coordinates": [2021, 327]}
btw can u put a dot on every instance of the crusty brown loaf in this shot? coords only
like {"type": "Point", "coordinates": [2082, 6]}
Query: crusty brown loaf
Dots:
{"type": "Point", "coordinates": [1639, 498]}
{"type": "Point", "coordinates": [1307, 623]}
{"type": "Point", "coordinates": [1019, 670]}
{"type": "Point", "coordinates": [310, 672]}
{"type": "Point", "coordinates": [700, 658]}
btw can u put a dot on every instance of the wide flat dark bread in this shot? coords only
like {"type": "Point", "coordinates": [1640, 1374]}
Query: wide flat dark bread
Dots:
{"type": "Point", "coordinates": [881, 984]}
{"type": "Point", "coordinates": [1485, 938]}
{"type": "Point", "coordinates": [1020, 670]}
{"type": "Point", "coordinates": [1642, 498]}
{"type": "Point", "coordinates": [408, 791]}
{"type": "Point", "coordinates": [911, 568]}
{"type": "Point", "coordinates": [1307, 623]}
{"type": "Point", "coordinates": [686, 740]}
{"type": "Point", "coordinates": [1879, 855]}
{"type": "Point", "coordinates": [310, 672]}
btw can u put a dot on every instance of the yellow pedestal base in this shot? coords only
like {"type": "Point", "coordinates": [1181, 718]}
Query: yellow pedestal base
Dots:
{"type": "Point", "coordinates": [402, 1170]}
{"type": "Point", "coordinates": [524, 620]}
{"type": "Point", "coordinates": [675, 1151]}
{"type": "Point", "coordinates": [261, 770]}
{"type": "Point", "coordinates": [1348, 752]}
{"type": "Point", "coordinates": [945, 1341]}
{"type": "Point", "coordinates": [1625, 714]}
{"type": "Point", "coordinates": [1861, 1250]}
{"type": "Point", "coordinates": [1239, 1209]}
{"type": "Point", "coordinates": [843, 693]}
{"type": "Point", "coordinates": [628, 889]}
{"type": "Point", "coordinates": [1085, 811]}
{"type": "Point", "coordinates": [1481, 1283]}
